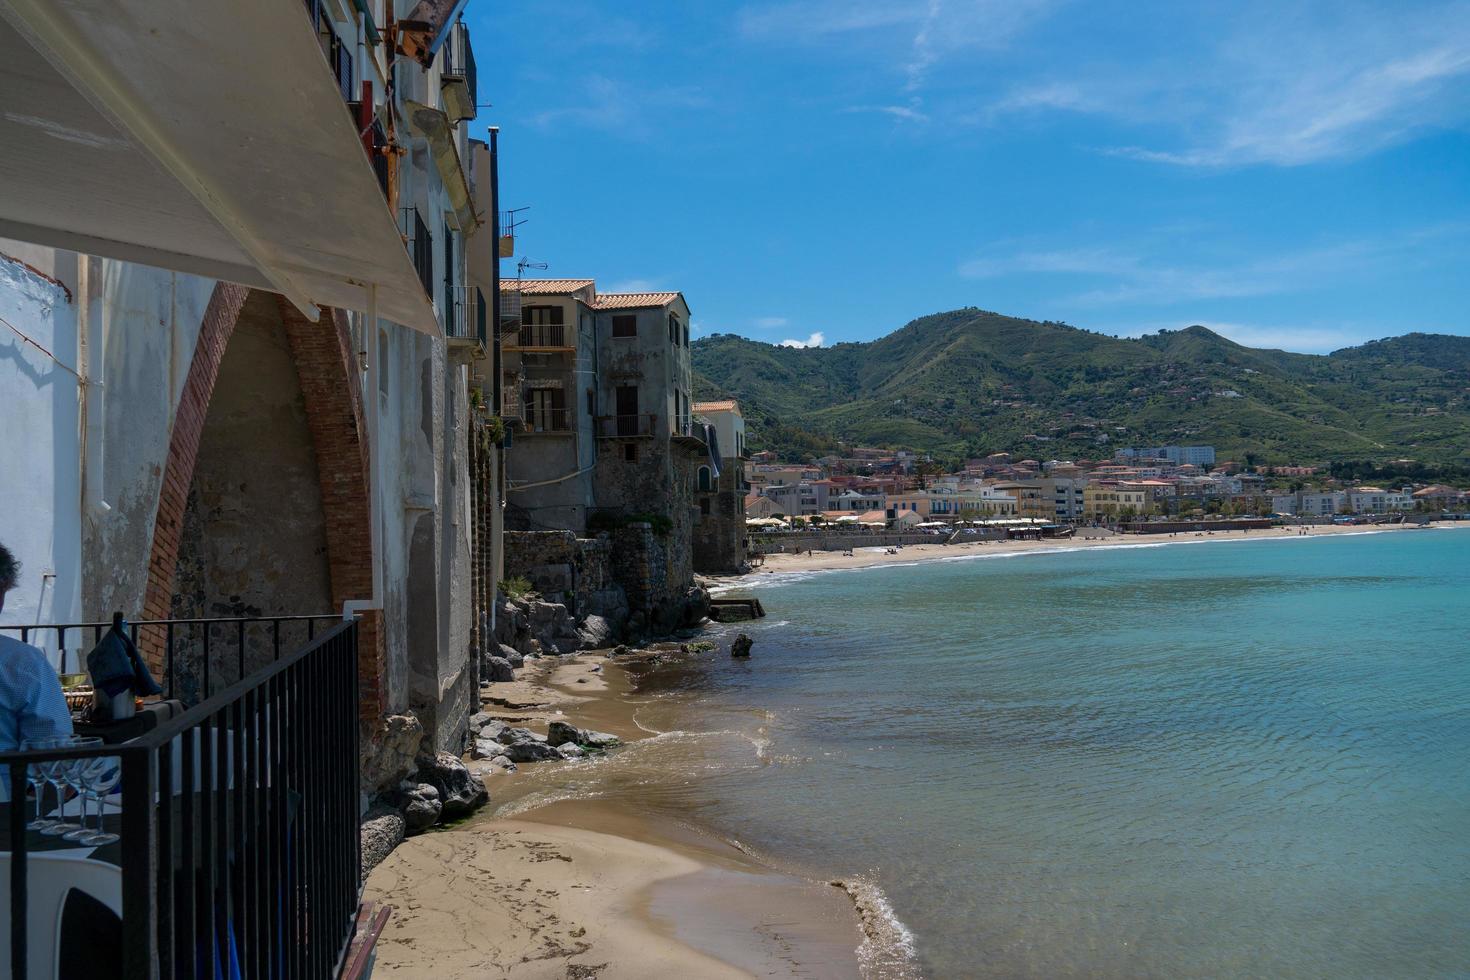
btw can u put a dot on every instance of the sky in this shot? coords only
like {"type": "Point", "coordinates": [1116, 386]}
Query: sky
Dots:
{"type": "Point", "coordinates": [1292, 175]}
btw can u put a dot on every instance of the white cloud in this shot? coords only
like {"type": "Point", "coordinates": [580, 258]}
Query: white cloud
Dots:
{"type": "Point", "coordinates": [770, 322]}
{"type": "Point", "coordinates": [907, 113]}
{"type": "Point", "coordinates": [1162, 273]}
{"type": "Point", "coordinates": [910, 36]}
{"type": "Point", "coordinates": [615, 106]}
{"type": "Point", "coordinates": [815, 340]}
{"type": "Point", "coordinates": [1275, 86]}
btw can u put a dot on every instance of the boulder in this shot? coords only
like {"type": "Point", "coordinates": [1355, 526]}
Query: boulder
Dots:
{"type": "Point", "coordinates": [530, 752]}
{"type": "Point", "coordinates": [484, 748]}
{"type": "Point", "coordinates": [596, 633]}
{"type": "Point", "coordinates": [498, 670]}
{"type": "Point", "coordinates": [513, 656]}
{"type": "Point", "coordinates": [382, 830]}
{"type": "Point", "coordinates": [559, 733]}
{"type": "Point", "coordinates": [514, 736]}
{"type": "Point", "coordinates": [503, 762]}
{"type": "Point", "coordinates": [479, 720]}
{"type": "Point", "coordinates": [460, 793]}
{"type": "Point", "coordinates": [391, 750]}
{"type": "Point", "coordinates": [419, 804]}
{"type": "Point", "coordinates": [572, 750]}
{"type": "Point", "coordinates": [740, 646]}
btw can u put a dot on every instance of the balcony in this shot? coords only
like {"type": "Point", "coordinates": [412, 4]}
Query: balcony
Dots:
{"type": "Point", "coordinates": [236, 824]}
{"type": "Point", "coordinates": [511, 406]}
{"type": "Point", "coordinates": [547, 421]}
{"type": "Point", "coordinates": [626, 426]}
{"type": "Point", "coordinates": [457, 74]}
{"type": "Point", "coordinates": [545, 338]}
{"type": "Point", "coordinates": [466, 317]}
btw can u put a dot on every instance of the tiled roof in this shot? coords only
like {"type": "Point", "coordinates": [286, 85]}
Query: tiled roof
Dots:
{"type": "Point", "coordinates": [632, 301]}
{"type": "Point", "coordinates": [545, 287]}
{"type": "Point", "coordinates": [729, 406]}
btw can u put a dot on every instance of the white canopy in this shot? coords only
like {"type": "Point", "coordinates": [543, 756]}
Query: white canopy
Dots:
{"type": "Point", "coordinates": [205, 136]}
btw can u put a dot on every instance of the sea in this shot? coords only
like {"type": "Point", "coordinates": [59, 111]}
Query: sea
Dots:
{"type": "Point", "coordinates": [1192, 758]}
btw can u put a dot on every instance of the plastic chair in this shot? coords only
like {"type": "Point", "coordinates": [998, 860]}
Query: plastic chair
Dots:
{"type": "Point", "coordinates": [50, 877]}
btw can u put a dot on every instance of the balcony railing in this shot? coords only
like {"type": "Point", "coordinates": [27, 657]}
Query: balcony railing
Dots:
{"type": "Point", "coordinates": [466, 315]}
{"type": "Point", "coordinates": [537, 336]}
{"type": "Point", "coordinates": [625, 426]}
{"type": "Point", "coordinates": [510, 308]}
{"type": "Point", "coordinates": [511, 406]}
{"type": "Point", "coordinates": [457, 74]}
{"type": "Point", "coordinates": [547, 420]}
{"type": "Point", "coordinates": [237, 824]}
{"type": "Point", "coordinates": [420, 244]}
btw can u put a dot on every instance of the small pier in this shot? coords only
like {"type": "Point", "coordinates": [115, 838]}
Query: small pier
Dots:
{"type": "Point", "coordinates": [735, 609]}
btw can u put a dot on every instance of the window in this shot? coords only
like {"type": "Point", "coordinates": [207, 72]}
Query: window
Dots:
{"type": "Point", "coordinates": [673, 330]}
{"type": "Point", "coordinates": [704, 480]}
{"type": "Point", "coordinates": [625, 325]}
{"type": "Point", "coordinates": [591, 402]}
{"type": "Point", "coordinates": [630, 452]}
{"type": "Point", "coordinates": [543, 315]}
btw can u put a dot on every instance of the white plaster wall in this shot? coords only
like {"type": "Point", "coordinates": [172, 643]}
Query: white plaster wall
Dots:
{"type": "Point", "coordinates": [40, 483]}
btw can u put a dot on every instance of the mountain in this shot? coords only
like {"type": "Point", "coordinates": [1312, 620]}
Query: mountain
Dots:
{"type": "Point", "coordinates": [969, 382]}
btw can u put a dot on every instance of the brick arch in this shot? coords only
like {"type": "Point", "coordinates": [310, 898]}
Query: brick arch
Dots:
{"type": "Point", "coordinates": [326, 368]}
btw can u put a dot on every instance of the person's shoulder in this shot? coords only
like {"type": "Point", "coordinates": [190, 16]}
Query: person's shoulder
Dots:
{"type": "Point", "coordinates": [13, 651]}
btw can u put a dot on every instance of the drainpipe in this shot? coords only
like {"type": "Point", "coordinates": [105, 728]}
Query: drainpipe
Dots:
{"type": "Point", "coordinates": [91, 361]}
{"type": "Point", "coordinates": [375, 447]}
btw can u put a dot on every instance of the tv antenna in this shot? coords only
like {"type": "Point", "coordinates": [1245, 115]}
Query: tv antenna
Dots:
{"type": "Point", "coordinates": [525, 264]}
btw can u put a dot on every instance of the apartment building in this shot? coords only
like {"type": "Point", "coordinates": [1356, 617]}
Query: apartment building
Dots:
{"type": "Point", "coordinates": [1305, 503]}
{"type": "Point", "coordinates": [1112, 500]}
{"type": "Point", "coordinates": [1376, 500]}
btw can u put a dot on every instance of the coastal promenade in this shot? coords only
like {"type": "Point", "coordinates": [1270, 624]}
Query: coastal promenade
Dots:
{"type": "Point", "coordinates": [817, 561]}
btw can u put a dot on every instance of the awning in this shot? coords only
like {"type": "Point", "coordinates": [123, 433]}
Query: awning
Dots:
{"type": "Point", "coordinates": [208, 137]}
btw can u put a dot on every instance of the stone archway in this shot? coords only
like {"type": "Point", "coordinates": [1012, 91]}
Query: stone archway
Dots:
{"type": "Point", "coordinates": [323, 442]}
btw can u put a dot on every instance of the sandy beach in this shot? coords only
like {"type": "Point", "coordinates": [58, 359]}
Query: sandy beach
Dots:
{"type": "Point", "coordinates": [596, 887]}
{"type": "Point", "coordinates": [1086, 538]}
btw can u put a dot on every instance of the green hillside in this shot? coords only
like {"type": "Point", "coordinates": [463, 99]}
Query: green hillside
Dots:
{"type": "Point", "coordinates": [969, 382]}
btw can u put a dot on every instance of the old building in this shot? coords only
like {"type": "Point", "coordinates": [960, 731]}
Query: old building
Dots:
{"type": "Point", "coordinates": [247, 348]}
{"type": "Point", "coordinates": [719, 493]}
{"type": "Point", "coordinates": [607, 441]}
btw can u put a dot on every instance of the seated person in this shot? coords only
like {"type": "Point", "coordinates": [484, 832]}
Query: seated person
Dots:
{"type": "Point", "coordinates": [31, 702]}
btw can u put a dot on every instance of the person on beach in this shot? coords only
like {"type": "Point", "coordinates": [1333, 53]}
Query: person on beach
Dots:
{"type": "Point", "coordinates": [31, 703]}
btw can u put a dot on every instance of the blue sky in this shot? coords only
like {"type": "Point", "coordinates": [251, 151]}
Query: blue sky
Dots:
{"type": "Point", "coordinates": [1292, 175]}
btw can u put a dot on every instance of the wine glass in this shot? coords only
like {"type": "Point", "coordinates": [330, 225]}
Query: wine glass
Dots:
{"type": "Point", "coordinates": [67, 774]}
{"type": "Point", "coordinates": [99, 776]}
{"type": "Point", "coordinates": [38, 774]}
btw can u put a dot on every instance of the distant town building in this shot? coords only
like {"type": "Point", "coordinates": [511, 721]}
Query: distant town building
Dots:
{"type": "Point", "coordinates": [719, 494]}
{"type": "Point", "coordinates": [1178, 455]}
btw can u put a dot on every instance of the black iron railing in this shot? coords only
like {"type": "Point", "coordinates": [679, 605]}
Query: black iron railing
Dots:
{"type": "Point", "coordinates": [534, 335]}
{"type": "Point", "coordinates": [625, 426]}
{"type": "Point", "coordinates": [238, 828]}
{"type": "Point", "coordinates": [547, 419]}
{"type": "Point", "coordinates": [198, 654]}
{"type": "Point", "coordinates": [459, 62]}
{"type": "Point", "coordinates": [466, 315]}
{"type": "Point", "coordinates": [420, 246]}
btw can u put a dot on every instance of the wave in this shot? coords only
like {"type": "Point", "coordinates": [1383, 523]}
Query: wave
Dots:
{"type": "Point", "coordinates": [887, 949]}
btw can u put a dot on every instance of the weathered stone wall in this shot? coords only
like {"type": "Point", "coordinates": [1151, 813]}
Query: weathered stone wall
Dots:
{"type": "Point", "coordinates": [719, 535]}
{"type": "Point", "coordinates": [576, 572]}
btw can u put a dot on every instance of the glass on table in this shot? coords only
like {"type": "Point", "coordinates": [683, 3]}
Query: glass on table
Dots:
{"type": "Point", "coordinates": [66, 774]}
{"type": "Point", "coordinates": [39, 775]}
{"type": "Point", "coordinates": [99, 776]}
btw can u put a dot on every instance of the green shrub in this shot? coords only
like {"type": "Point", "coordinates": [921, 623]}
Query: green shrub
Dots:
{"type": "Point", "coordinates": [517, 587]}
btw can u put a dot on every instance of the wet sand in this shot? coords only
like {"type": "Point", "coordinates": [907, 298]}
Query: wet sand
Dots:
{"type": "Point", "coordinates": [1086, 538]}
{"type": "Point", "coordinates": [597, 887]}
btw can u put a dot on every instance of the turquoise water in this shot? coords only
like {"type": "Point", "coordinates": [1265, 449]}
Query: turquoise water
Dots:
{"type": "Point", "coordinates": [1223, 758]}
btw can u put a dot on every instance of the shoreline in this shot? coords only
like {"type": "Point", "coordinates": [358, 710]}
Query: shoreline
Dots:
{"type": "Point", "coordinates": [565, 875]}
{"type": "Point", "coordinates": [782, 565]}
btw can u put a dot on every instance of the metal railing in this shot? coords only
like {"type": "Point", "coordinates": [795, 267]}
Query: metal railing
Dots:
{"type": "Point", "coordinates": [625, 426]}
{"type": "Point", "coordinates": [249, 641]}
{"type": "Point", "coordinates": [547, 420]}
{"type": "Point", "coordinates": [459, 64]}
{"type": "Point", "coordinates": [420, 245]}
{"type": "Point", "coordinates": [238, 827]}
{"type": "Point", "coordinates": [529, 336]}
{"type": "Point", "coordinates": [466, 316]}
{"type": "Point", "coordinates": [511, 406]}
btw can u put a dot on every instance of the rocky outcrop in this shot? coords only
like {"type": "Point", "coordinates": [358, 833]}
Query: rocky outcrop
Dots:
{"type": "Point", "coordinates": [596, 633]}
{"type": "Point", "coordinates": [419, 804]}
{"type": "Point", "coordinates": [497, 670]}
{"type": "Point", "coordinates": [740, 646]}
